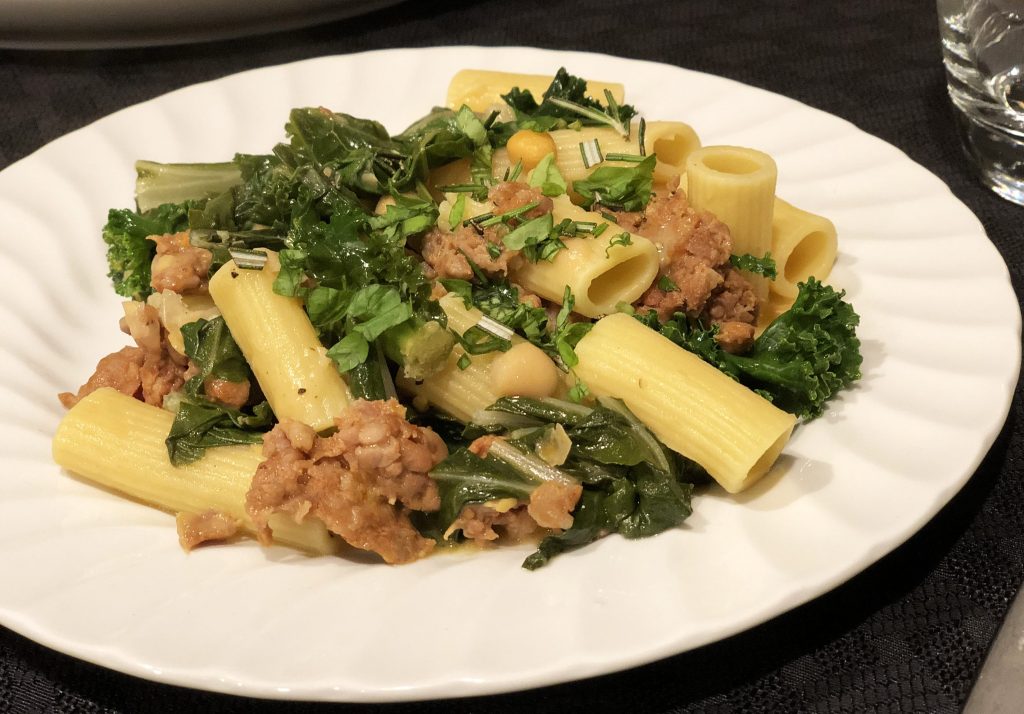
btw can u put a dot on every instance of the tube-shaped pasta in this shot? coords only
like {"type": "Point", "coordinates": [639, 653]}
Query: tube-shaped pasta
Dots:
{"type": "Point", "coordinates": [480, 89]}
{"type": "Point", "coordinates": [688, 404]}
{"type": "Point", "coordinates": [118, 442]}
{"type": "Point", "coordinates": [458, 392]}
{"type": "Point", "coordinates": [738, 186]}
{"type": "Point", "coordinates": [671, 141]}
{"type": "Point", "coordinates": [298, 378]}
{"type": "Point", "coordinates": [803, 244]}
{"type": "Point", "coordinates": [453, 173]}
{"type": "Point", "coordinates": [463, 392]}
{"type": "Point", "coordinates": [601, 272]}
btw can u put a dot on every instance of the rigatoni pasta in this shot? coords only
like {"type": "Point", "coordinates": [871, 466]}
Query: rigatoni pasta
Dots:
{"type": "Point", "coordinates": [118, 442]}
{"type": "Point", "coordinates": [276, 337]}
{"type": "Point", "coordinates": [601, 272]}
{"type": "Point", "coordinates": [737, 185]}
{"type": "Point", "coordinates": [672, 142]}
{"type": "Point", "coordinates": [689, 405]}
{"type": "Point", "coordinates": [804, 244]}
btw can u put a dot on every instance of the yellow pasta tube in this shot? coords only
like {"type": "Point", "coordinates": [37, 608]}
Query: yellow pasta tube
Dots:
{"type": "Point", "coordinates": [803, 245]}
{"type": "Point", "coordinates": [480, 89]}
{"type": "Point", "coordinates": [672, 142]}
{"type": "Point", "coordinates": [524, 369]}
{"type": "Point", "coordinates": [458, 392]}
{"type": "Point", "coordinates": [738, 186]}
{"type": "Point", "coordinates": [118, 442]}
{"type": "Point", "coordinates": [500, 163]}
{"type": "Point", "coordinates": [688, 404]}
{"type": "Point", "coordinates": [298, 378]}
{"type": "Point", "coordinates": [601, 272]}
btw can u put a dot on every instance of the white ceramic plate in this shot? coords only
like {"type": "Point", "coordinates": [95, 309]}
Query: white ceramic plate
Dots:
{"type": "Point", "coordinates": [82, 24]}
{"type": "Point", "coordinates": [103, 579]}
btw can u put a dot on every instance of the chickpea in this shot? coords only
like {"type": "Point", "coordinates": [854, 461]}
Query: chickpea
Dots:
{"type": "Point", "coordinates": [530, 147]}
{"type": "Point", "coordinates": [524, 371]}
{"type": "Point", "coordinates": [382, 205]}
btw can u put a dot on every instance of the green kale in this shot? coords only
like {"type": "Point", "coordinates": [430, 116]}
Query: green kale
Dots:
{"type": "Point", "coordinates": [565, 102]}
{"type": "Point", "coordinates": [801, 360]}
{"type": "Point", "coordinates": [618, 188]}
{"type": "Point", "coordinates": [632, 484]}
{"type": "Point", "coordinates": [129, 253]}
{"type": "Point", "coordinates": [807, 354]}
{"type": "Point", "coordinates": [200, 423]}
{"type": "Point", "coordinates": [464, 478]}
{"type": "Point", "coordinates": [214, 352]}
{"type": "Point", "coordinates": [499, 300]}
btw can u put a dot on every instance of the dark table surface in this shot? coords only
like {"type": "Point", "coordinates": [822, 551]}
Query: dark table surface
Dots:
{"type": "Point", "coordinates": [908, 634]}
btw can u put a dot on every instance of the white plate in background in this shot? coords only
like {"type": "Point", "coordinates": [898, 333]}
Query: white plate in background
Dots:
{"type": "Point", "coordinates": [103, 579]}
{"type": "Point", "coordinates": [91, 24]}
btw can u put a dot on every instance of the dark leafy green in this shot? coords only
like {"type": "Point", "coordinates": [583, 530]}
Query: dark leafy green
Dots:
{"type": "Point", "coordinates": [214, 352]}
{"type": "Point", "coordinates": [200, 423]}
{"type": "Point", "coordinates": [157, 184]}
{"type": "Point", "coordinates": [465, 478]}
{"type": "Point", "coordinates": [565, 103]}
{"type": "Point", "coordinates": [618, 188]}
{"type": "Point", "coordinates": [801, 360]}
{"type": "Point", "coordinates": [632, 484]}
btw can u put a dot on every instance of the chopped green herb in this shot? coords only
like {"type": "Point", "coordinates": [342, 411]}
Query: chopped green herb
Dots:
{"type": "Point", "coordinates": [601, 229]}
{"type": "Point", "coordinates": [477, 220]}
{"type": "Point", "coordinates": [494, 250]}
{"type": "Point", "coordinates": [758, 266]}
{"type": "Point", "coordinates": [458, 210]}
{"type": "Point", "coordinates": [507, 216]}
{"type": "Point", "coordinates": [513, 172]}
{"type": "Point", "coordinates": [619, 188]}
{"type": "Point", "coordinates": [591, 153]}
{"type": "Point", "coordinates": [538, 239]}
{"type": "Point", "coordinates": [479, 191]}
{"type": "Point", "coordinates": [630, 158]}
{"type": "Point", "coordinates": [621, 239]}
{"type": "Point", "coordinates": [548, 178]}
{"type": "Point", "coordinates": [579, 391]}
{"type": "Point", "coordinates": [464, 362]}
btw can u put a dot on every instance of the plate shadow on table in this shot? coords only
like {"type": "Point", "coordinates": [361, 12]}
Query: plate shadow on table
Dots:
{"type": "Point", "coordinates": [701, 675]}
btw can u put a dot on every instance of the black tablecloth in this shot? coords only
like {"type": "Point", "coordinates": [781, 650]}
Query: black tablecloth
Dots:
{"type": "Point", "coordinates": [911, 632]}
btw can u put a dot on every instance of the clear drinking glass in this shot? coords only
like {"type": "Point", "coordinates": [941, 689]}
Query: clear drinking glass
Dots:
{"type": "Point", "coordinates": [983, 50]}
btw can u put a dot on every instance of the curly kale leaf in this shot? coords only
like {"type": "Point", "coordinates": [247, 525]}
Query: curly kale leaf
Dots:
{"type": "Point", "coordinates": [807, 354]}
{"type": "Point", "coordinates": [129, 253]}
{"type": "Point", "coordinates": [565, 102]}
{"type": "Point", "coordinates": [801, 360]}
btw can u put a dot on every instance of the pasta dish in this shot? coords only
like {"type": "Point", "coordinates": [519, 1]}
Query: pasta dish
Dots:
{"type": "Point", "coordinates": [532, 316]}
